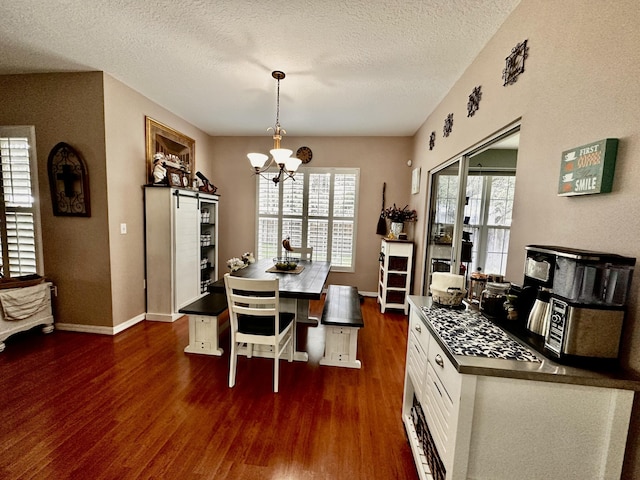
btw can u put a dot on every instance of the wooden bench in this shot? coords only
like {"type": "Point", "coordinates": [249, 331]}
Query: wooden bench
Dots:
{"type": "Point", "coordinates": [203, 323]}
{"type": "Point", "coordinates": [342, 318]}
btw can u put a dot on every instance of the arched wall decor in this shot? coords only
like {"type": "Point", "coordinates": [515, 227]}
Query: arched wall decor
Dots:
{"type": "Point", "coordinates": [69, 182]}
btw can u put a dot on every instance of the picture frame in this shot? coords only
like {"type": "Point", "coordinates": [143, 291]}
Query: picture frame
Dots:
{"type": "Point", "coordinates": [177, 178]}
{"type": "Point", "coordinates": [161, 138]}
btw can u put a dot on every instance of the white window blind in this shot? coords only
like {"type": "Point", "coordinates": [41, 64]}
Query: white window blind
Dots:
{"type": "Point", "coordinates": [317, 209]}
{"type": "Point", "coordinates": [19, 218]}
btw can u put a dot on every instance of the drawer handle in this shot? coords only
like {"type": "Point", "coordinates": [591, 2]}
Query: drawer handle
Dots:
{"type": "Point", "coordinates": [418, 328]}
{"type": "Point", "coordinates": [439, 360]}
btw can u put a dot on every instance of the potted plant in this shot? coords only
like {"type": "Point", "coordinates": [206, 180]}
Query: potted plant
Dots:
{"type": "Point", "coordinates": [397, 217]}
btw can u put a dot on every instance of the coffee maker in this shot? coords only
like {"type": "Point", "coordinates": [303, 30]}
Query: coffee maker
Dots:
{"type": "Point", "coordinates": [587, 294]}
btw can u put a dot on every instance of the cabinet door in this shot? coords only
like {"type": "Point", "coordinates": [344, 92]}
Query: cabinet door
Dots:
{"type": "Point", "coordinates": [187, 250]}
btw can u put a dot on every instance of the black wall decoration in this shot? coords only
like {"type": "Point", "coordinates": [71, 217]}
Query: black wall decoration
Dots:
{"type": "Point", "coordinates": [69, 182]}
{"type": "Point", "coordinates": [448, 125]}
{"type": "Point", "coordinates": [432, 140]}
{"type": "Point", "coordinates": [515, 63]}
{"type": "Point", "coordinates": [474, 101]}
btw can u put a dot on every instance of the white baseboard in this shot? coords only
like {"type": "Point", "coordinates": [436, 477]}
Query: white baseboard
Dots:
{"type": "Point", "coordinates": [74, 327]}
{"type": "Point", "coordinates": [369, 294]}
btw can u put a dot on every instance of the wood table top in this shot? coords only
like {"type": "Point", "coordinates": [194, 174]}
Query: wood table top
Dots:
{"type": "Point", "coordinates": [308, 284]}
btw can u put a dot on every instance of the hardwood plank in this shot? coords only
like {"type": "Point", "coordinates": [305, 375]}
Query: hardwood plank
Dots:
{"type": "Point", "coordinates": [136, 406]}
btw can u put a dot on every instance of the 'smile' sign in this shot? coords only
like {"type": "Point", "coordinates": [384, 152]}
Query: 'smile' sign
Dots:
{"type": "Point", "coordinates": [589, 168]}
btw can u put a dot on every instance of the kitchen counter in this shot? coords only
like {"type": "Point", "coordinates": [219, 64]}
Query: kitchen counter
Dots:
{"type": "Point", "coordinates": [478, 346]}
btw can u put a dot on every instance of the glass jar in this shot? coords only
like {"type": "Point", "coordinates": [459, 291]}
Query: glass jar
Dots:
{"type": "Point", "coordinates": [493, 298]}
{"type": "Point", "coordinates": [477, 284]}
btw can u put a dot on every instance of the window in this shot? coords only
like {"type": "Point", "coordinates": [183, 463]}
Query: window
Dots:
{"type": "Point", "coordinates": [19, 214]}
{"type": "Point", "coordinates": [470, 202]}
{"type": "Point", "coordinates": [490, 206]}
{"type": "Point", "coordinates": [317, 209]}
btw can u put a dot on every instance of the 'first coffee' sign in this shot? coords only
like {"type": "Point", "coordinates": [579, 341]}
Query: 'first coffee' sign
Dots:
{"type": "Point", "coordinates": [589, 168]}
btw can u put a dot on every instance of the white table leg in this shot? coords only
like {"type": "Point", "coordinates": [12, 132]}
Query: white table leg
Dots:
{"type": "Point", "coordinates": [203, 335]}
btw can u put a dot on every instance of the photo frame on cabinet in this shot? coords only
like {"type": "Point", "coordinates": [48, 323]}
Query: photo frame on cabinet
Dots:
{"type": "Point", "coordinates": [161, 138]}
{"type": "Point", "coordinates": [177, 178]}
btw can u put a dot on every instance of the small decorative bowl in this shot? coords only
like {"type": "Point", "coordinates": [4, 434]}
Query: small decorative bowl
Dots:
{"type": "Point", "coordinates": [285, 264]}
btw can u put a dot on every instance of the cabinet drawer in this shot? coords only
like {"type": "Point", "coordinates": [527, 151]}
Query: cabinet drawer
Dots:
{"type": "Point", "coordinates": [416, 365]}
{"type": "Point", "coordinates": [438, 409]}
{"type": "Point", "coordinates": [444, 369]}
{"type": "Point", "coordinates": [420, 331]}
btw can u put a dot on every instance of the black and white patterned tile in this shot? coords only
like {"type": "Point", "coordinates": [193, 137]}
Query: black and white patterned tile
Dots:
{"type": "Point", "coordinates": [469, 333]}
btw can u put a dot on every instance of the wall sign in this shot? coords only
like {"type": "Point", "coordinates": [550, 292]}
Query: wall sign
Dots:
{"type": "Point", "coordinates": [588, 169]}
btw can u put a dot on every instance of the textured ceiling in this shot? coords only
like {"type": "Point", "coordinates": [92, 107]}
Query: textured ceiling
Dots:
{"type": "Point", "coordinates": [354, 67]}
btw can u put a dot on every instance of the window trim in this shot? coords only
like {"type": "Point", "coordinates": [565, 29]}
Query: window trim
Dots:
{"type": "Point", "coordinates": [305, 215]}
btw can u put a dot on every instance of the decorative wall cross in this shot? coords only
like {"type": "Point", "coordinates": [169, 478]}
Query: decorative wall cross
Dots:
{"type": "Point", "coordinates": [69, 182]}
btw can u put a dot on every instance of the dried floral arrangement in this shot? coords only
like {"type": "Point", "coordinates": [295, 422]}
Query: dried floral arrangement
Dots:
{"type": "Point", "coordinates": [400, 215]}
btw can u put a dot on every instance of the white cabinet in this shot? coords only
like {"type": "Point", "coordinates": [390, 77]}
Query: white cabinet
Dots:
{"type": "Point", "coordinates": [396, 261]}
{"type": "Point", "coordinates": [173, 249]}
{"type": "Point", "coordinates": [500, 428]}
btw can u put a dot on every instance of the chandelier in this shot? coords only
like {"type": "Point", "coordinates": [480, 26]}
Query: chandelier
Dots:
{"type": "Point", "coordinates": [281, 157]}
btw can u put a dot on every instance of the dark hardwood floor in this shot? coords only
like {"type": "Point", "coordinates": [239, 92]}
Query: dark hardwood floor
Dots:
{"type": "Point", "coordinates": [136, 406]}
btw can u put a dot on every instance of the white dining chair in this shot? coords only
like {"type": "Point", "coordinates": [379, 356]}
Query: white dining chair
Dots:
{"type": "Point", "coordinates": [255, 319]}
{"type": "Point", "coordinates": [304, 253]}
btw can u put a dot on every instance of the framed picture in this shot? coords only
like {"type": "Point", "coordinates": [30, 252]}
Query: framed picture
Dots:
{"type": "Point", "coordinates": [163, 139]}
{"type": "Point", "coordinates": [177, 178]}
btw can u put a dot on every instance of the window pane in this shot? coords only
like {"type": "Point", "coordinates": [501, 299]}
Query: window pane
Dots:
{"type": "Point", "coordinates": [293, 196]}
{"type": "Point", "coordinates": [344, 195]}
{"type": "Point", "coordinates": [269, 197]}
{"type": "Point", "coordinates": [318, 235]}
{"type": "Point", "coordinates": [447, 199]}
{"type": "Point", "coordinates": [268, 242]}
{"type": "Point", "coordinates": [292, 228]}
{"type": "Point", "coordinates": [473, 208]}
{"type": "Point", "coordinates": [319, 188]}
{"type": "Point", "coordinates": [497, 246]}
{"type": "Point", "coordinates": [501, 203]}
{"type": "Point", "coordinates": [342, 241]}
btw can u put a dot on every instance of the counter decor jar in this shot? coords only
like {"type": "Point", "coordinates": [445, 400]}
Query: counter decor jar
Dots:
{"type": "Point", "coordinates": [493, 298]}
{"type": "Point", "coordinates": [477, 284]}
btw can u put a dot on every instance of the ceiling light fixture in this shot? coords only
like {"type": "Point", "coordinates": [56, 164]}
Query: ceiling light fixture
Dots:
{"type": "Point", "coordinates": [279, 156]}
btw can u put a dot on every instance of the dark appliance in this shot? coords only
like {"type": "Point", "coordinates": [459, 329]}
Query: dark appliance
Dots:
{"type": "Point", "coordinates": [587, 302]}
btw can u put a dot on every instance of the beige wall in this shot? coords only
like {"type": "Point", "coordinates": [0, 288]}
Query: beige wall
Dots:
{"type": "Point", "coordinates": [68, 108]}
{"type": "Point", "coordinates": [99, 272]}
{"type": "Point", "coordinates": [125, 111]}
{"type": "Point", "coordinates": [380, 159]}
{"type": "Point", "coordinates": [580, 84]}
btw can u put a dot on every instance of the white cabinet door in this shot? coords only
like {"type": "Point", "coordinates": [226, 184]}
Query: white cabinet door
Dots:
{"type": "Point", "coordinates": [187, 250]}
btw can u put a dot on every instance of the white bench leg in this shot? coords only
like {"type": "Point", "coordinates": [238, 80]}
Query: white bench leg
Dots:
{"type": "Point", "coordinates": [340, 347]}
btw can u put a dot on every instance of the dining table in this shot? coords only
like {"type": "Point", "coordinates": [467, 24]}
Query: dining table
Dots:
{"type": "Point", "coordinates": [297, 287]}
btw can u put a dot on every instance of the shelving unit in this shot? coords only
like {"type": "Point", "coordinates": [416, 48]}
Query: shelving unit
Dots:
{"type": "Point", "coordinates": [396, 262]}
{"type": "Point", "coordinates": [174, 254]}
{"type": "Point", "coordinates": [208, 242]}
